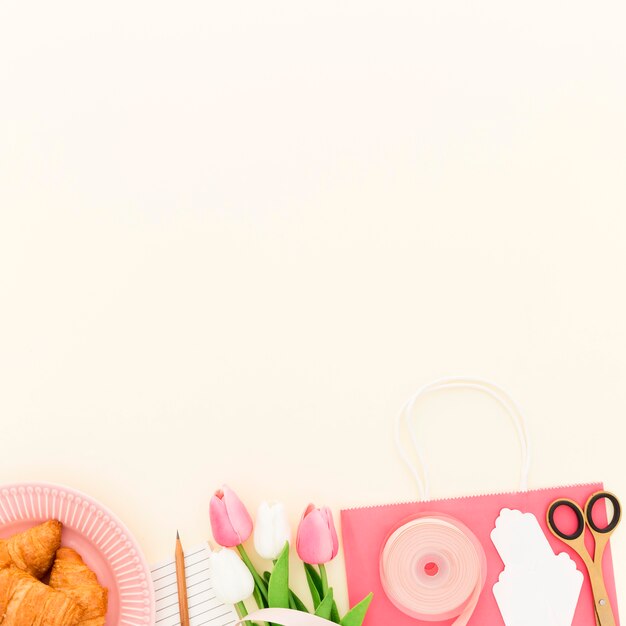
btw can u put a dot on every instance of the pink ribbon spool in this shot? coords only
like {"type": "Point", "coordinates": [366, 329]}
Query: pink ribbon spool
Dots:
{"type": "Point", "coordinates": [433, 568]}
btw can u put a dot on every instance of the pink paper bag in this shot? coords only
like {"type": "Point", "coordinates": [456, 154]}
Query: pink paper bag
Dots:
{"type": "Point", "coordinates": [365, 531]}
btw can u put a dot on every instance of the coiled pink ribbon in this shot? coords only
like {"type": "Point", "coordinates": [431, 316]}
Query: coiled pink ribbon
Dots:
{"type": "Point", "coordinates": [433, 568]}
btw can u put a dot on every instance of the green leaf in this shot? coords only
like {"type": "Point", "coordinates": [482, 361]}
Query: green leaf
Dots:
{"type": "Point", "coordinates": [315, 594]}
{"type": "Point", "coordinates": [297, 604]}
{"type": "Point", "coordinates": [334, 614]}
{"type": "Point", "coordinates": [325, 606]}
{"type": "Point", "coordinates": [266, 576]}
{"type": "Point", "coordinates": [356, 615]}
{"type": "Point", "coordinates": [316, 578]}
{"type": "Point", "coordinates": [278, 587]}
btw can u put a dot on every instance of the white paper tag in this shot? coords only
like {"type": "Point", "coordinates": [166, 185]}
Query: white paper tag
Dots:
{"type": "Point", "coordinates": [536, 587]}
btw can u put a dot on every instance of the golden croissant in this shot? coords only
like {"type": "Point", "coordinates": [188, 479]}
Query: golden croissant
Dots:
{"type": "Point", "coordinates": [24, 601]}
{"type": "Point", "coordinates": [71, 576]}
{"type": "Point", "coordinates": [33, 550]}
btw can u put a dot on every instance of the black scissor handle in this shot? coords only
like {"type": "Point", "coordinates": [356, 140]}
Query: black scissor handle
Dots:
{"type": "Point", "coordinates": [579, 517]}
{"type": "Point", "coordinates": [617, 512]}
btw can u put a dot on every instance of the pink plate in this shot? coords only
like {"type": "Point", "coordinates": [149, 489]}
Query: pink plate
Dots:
{"type": "Point", "coordinates": [96, 534]}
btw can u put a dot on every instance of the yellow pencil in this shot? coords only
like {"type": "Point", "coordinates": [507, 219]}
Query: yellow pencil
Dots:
{"type": "Point", "coordinates": [181, 582]}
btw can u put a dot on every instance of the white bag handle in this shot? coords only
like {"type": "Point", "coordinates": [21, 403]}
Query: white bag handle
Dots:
{"type": "Point", "coordinates": [495, 392]}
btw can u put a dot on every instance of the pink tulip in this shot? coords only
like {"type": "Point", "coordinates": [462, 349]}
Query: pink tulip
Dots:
{"type": "Point", "coordinates": [317, 542]}
{"type": "Point", "coordinates": [230, 521]}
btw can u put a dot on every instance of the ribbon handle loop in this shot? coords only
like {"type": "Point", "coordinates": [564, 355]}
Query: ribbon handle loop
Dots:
{"type": "Point", "coordinates": [420, 472]}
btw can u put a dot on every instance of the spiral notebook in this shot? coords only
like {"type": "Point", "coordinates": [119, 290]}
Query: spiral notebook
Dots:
{"type": "Point", "coordinates": [204, 608]}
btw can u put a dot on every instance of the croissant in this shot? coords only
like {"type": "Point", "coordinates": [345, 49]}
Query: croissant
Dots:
{"type": "Point", "coordinates": [71, 576]}
{"type": "Point", "coordinates": [24, 601]}
{"type": "Point", "coordinates": [33, 550]}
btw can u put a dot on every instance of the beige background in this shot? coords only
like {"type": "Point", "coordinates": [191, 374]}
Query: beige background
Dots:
{"type": "Point", "coordinates": [235, 236]}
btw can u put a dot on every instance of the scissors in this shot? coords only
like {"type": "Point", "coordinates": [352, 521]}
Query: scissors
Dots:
{"type": "Point", "coordinates": [576, 541]}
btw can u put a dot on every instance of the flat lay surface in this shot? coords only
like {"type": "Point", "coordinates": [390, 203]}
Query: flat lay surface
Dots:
{"type": "Point", "coordinates": [236, 237]}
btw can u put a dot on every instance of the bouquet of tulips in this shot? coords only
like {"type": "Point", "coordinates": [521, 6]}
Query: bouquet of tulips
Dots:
{"type": "Point", "coordinates": [235, 578]}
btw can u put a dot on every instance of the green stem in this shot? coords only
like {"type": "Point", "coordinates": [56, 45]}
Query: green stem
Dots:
{"type": "Point", "coordinates": [241, 609]}
{"type": "Point", "coordinates": [258, 598]}
{"type": "Point", "coordinates": [324, 578]}
{"type": "Point", "coordinates": [260, 583]}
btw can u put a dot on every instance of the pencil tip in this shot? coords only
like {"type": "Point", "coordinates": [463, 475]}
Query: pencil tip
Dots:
{"type": "Point", "coordinates": [177, 535]}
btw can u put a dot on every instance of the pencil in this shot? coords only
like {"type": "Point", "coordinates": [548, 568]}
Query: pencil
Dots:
{"type": "Point", "coordinates": [181, 582]}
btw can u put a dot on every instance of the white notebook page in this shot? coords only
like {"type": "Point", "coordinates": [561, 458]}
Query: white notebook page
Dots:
{"type": "Point", "coordinates": [204, 608]}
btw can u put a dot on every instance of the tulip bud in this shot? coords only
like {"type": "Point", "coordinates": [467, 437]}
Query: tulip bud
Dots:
{"type": "Point", "coordinates": [317, 542]}
{"type": "Point", "coordinates": [230, 521]}
{"type": "Point", "coordinates": [231, 579]}
{"type": "Point", "coordinates": [271, 530]}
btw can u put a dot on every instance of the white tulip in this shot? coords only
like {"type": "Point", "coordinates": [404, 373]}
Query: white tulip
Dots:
{"type": "Point", "coordinates": [271, 530]}
{"type": "Point", "coordinates": [232, 580]}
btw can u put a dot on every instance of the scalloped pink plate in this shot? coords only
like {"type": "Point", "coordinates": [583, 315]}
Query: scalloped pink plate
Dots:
{"type": "Point", "coordinates": [104, 543]}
